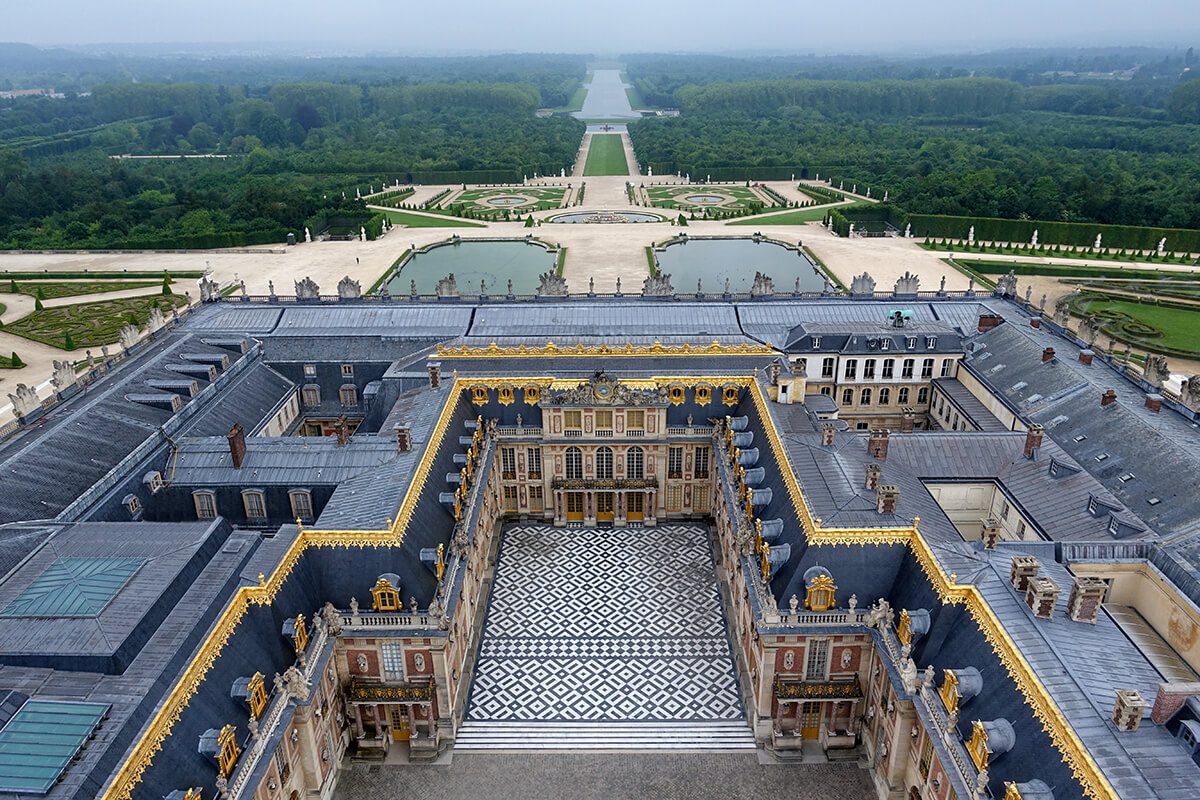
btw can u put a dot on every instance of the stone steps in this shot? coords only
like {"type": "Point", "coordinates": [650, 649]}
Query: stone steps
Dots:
{"type": "Point", "coordinates": [690, 736]}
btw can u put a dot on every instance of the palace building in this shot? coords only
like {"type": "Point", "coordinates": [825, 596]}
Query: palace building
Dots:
{"type": "Point", "coordinates": [935, 537]}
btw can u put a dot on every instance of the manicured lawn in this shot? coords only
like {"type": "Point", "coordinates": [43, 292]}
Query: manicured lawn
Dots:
{"type": "Point", "coordinates": [6, 363]}
{"type": "Point", "coordinates": [798, 217]}
{"type": "Point", "coordinates": [734, 197]}
{"type": "Point", "coordinates": [606, 156]}
{"type": "Point", "coordinates": [985, 267]}
{"type": "Point", "coordinates": [1180, 327]}
{"type": "Point", "coordinates": [422, 221]}
{"type": "Point", "coordinates": [1049, 251]}
{"type": "Point", "coordinates": [51, 291]}
{"type": "Point", "coordinates": [90, 324]}
{"type": "Point", "coordinates": [476, 200]}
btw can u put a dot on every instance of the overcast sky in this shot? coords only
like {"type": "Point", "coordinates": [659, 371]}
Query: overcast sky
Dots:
{"type": "Point", "coordinates": [609, 26]}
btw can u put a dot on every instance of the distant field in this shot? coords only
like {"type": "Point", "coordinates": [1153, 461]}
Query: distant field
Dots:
{"type": "Point", "coordinates": [606, 156]}
{"type": "Point", "coordinates": [422, 221]}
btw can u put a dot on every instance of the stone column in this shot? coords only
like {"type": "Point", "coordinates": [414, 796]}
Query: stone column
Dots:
{"type": "Point", "coordinates": [619, 509]}
{"type": "Point", "coordinates": [560, 514]}
{"type": "Point", "coordinates": [589, 508]}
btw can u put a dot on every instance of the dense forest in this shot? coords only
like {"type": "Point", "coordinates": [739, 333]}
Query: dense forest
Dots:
{"type": "Point", "coordinates": [1118, 152]}
{"type": "Point", "coordinates": [288, 153]}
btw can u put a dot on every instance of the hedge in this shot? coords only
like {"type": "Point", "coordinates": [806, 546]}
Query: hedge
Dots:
{"type": "Point", "coordinates": [1083, 234]}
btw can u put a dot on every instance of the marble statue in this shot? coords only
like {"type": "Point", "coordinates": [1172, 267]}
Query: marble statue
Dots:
{"type": "Point", "coordinates": [307, 289]}
{"type": "Point", "coordinates": [971, 236]}
{"type": "Point", "coordinates": [862, 284]}
{"type": "Point", "coordinates": [658, 286]}
{"type": "Point", "coordinates": [128, 336]}
{"type": "Point", "coordinates": [1099, 239]}
{"type": "Point", "coordinates": [1033, 241]}
{"type": "Point", "coordinates": [850, 232]}
{"type": "Point", "coordinates": [24, 401]}
{"type": "Point", "coordinates": [1162, 245]}
{"type": "Point", "coordinates": [362, 234]}
{"type": "Point", "coordinates": [1156, 370]}
{"type": "Point", "coordinates": [908, 231]}
{"type": "Point", "coordinates": [1189, 392]}
{"type": "Point", "coordinates": [551, 284]}
{"type": "Point", "coordinates": [907, 284]}
{"type": "Point", "coordinates": [763, 285]}
{"type": "Point", "coordinates": [349, 289]}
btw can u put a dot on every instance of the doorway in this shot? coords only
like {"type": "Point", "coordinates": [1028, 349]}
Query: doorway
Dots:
{"type": "Point", "coordinates": [400, 728]}
{"type": "Point", "coordinates": [810, 720]}
{"type": "Point", "coordinates": [574, 506]}
{"type": "Point", "coordinates": [635, 506]}
{"type": "Point", "coordinates": [604, 506]}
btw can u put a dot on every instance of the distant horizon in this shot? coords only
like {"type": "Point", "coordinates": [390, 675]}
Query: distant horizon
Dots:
{"type": "Point", "coordinates": [476, 27]}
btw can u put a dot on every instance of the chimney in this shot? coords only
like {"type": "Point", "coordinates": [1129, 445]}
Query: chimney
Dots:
{"type": "Point", "coordinates": [435, 373]}
{"type": "Point", "coordinates": [872, 478]}
{"type": "Point", "coordinates": [773, 372]}
{"type": "Point", "coordinates": [1154, 402]}
{"type": "Point", "coordinates": [828, 433]}
{"type": "Point", "coordinates": [403, 438]}
{"type": "Point", "coordinates": [1023, 568]}
{"type": "Point", "coordinates": [1128, 710]}
{"type": "Point", "coordinates": [1086, 356]}
{"type": "Point", "coordinates": [342, 431]}
{"type": "Point", "coordinates": [1035, 322]}
{"type": "Point", "coordinates": [1108, 398]}
{"type": "Point", "coordinates": [1083, 605]}
{"type": "Point", "coordinates": [237, 445]}
{"type": "Point", "coordinates": [1170, 698]}
{"type": "Point", "coordinates": [886, 497]}
{"type": "Point", "coordinates": [1033, 440]}
{"type": "Point", "coordinates": [907, 419]}
{"type": "Point", "coordinates": [989, 321]}
{"type": "Point", "coordinates": [1047, 354]}
{"type": "Point", "coordinates": [877, 443]}
{"type": "Point", "coordinates": [1041, 595]}
{"type": "Point", "coordinates": [991, 532]}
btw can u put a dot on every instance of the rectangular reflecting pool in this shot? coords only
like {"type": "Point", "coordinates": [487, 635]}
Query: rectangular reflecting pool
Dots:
{"type": "Point", "coordinates": [713, 260]}
{"type": "Point", "coordinates": [495, 263]}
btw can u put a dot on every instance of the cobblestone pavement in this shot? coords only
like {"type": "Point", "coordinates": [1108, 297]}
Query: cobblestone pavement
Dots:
{"type": "Point", "coordinates": [601, 776]}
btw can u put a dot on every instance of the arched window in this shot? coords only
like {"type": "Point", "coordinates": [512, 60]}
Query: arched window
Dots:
{"type": "Point", "coordinates": [866, 397]}
{"type": "Point", "coordinates": [574, 463]}
{"type": "Point", "coordinates": [635, 463]}
{"type": "Point", "coordinates": [604, 462]}
{"type": "Point", "coordinates": [847, 397]}
{"type": "Point", "coordinates": [885, 396]}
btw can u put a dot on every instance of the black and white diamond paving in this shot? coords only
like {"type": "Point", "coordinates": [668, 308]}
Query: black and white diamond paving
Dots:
{"type": "Point", "coordinates": [609, 625]}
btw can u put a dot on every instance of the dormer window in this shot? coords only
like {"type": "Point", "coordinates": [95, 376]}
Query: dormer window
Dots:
{"type": "Point", "coordinates": [255, 503]}
{"type": "Point", "coordinates": [816, 342]}
{"type": "Point", "coordinates": [1112, 525]}
{"type": "Point", "coordinates": [227, 750]}
{"type": "Point", "coordinates": [301, 504]}
{"type": "Point", "coordinates": [256, 695]}
{"type": "Point", "coordinates": [206, 504]}
{"type": "Point", "coordinates": [1127, 477]}
{"type": "Point", "coordinates": [885, 344]}
{"type": "Point", "coordinates": [1079, 438]}
{"type": "Point", "coordinates": [1102, 457]}
{"type": "Point", "coordinates": [310, 370]}
{"type": "Point", "coordinates": [311, 395]}
{"type": "Point", "coordinates": [153, 481]}
{"type": "Point", "coordinates": [347, 370]}
{"type": "Point", "coordinates": [910, 342]}
{"type": "Point", "coordinates": [930, 342]}
{"type": "Point", "coordinates": [348, 394]}
{"type": "Point", "coordinates": [132, 505]}
{"type": "Point", "coordinates": [385, 595]}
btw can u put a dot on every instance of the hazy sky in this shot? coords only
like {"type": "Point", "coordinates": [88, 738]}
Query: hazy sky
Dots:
{"type": "Point", "coordinates": [609, 26]}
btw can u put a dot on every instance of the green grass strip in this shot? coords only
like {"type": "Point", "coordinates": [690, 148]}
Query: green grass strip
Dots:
{"type": "Point", "coordinates": [606, 156]}
{"type": "Point", "coordinates": [422, 221]}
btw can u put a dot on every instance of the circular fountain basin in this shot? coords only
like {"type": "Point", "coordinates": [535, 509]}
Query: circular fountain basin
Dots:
{"type": "Point", "coordinates": [605, 217]}
{"type": "Point", "coordinates": [507, 200]}
{"type": "Point", "coordinates": [706, 199]}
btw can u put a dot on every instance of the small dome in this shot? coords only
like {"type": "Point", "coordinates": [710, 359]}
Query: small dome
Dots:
{"type": "Point", "coordinates": [812, 573]}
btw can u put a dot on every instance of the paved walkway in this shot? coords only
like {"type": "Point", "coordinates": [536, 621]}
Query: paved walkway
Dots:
{"type": "Point", "coordinates": [594, 776]}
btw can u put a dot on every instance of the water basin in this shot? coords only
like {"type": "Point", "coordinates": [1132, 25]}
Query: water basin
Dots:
{"type": "Point", "coordinates": [602, 217]}
{"type": "Point", "coordinates": [495, 263]}
{"type": "Point", "coordinates": [713, 260]}
{"type": "Point", "coordinates": [507, 200]}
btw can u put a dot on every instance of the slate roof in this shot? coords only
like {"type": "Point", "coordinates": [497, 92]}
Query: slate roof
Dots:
{"type": "Point", "coordinates": [969, 405]}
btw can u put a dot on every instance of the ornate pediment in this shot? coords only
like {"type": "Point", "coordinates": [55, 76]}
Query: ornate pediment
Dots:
{"type": "Point", "coordinates": [602, 390]}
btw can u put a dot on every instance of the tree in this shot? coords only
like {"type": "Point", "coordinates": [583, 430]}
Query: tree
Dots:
{"type": "Point", "coordinates": [68, 342]}
{"type": "Point", "coordinates": [1184, 103]}
{"type": "Point", "coordinates": [37, 304]}
{"type": "Point", "coordinates": [41, 294]}
{"type": "Point", "coordinates": [166, 286]}
{"type": "Point", "coordinates": [15, 360]}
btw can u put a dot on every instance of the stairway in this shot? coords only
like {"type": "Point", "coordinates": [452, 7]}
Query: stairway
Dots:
{"type": "Point", "coordinates": [687, 736]}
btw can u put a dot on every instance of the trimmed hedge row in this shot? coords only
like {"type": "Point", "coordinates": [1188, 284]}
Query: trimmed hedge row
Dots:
{"type": "Point", "coordinates": [1083, 234]}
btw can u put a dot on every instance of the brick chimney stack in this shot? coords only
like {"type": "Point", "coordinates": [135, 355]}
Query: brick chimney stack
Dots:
{"type": "Point", "coordinates": [988, 321]}
{"type": "Point", "coordinates": [1170, 698]}
{"type": "Point", "coordinates": [1033, 440]}
{"type": "Point", "coordinates": [1086, 356]}
{"type": "Point", "coordinates": [991, 532]}
{"type": "Point", "coordinates": [1128, 710]}
{"type": "Point", "coordinates": [1035, 322]}
{"type": "Point", "coordinates": [886, 497]}
{"type": "Point", "coordinates": [237, 445]}
{"type": "Point", "coordinates": [1154, 402]}
{"type": "Point", "coordinates": [1023, 568]}
{"type": "Point", "coordinates": [877, 443]}
{"type": "Point", "coordinates": [403, 438]}
{"type": "Point", "coordinates": [828, 434]}
{"type": "Point", "coordinates": [907, 419]}
{"type": "Point", "coordinates": [1041, 595]}
{"type": "Point", "coordinates": [341, 429]}
{"type": "Point", "coordinates": [1108, 398]}
{"type": "Point", "coordinates": [872, 476]}
{"type": "Point", "coordinates": [1083, 604]}
{"type": "Point", "coordinates": [1047, 355]}
{"type": "Point", "coordinates": [435, 373]}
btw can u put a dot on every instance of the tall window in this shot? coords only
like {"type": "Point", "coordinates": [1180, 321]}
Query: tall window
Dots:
{"type": "Point", "coordinates": [255, 503]}
{"type": "Point", "coordinates": [827, 368]}
{"type": "Point", "coordinates": [675, 462]}
{"type": "Point", "coordinates": [903, 395]}
{"type": "Point", "coordinates": [700, 499]}
{"type": "Point", "coordinates": [701, 462]}
{"type": "Point", "coordinates": [865, 398]}
{"type": "Point", "coordinates": [635, 422]}
{"type": "Point", "coordinates": [510, 498]}
{"type": "Point", "coordinates": [926, 757]}
{"type": "Point", "coordinates": [816, 667]}
{"type": "Point", "coordinates": [393, 661]}
{"type": "Point", "coordinates": [923, 395]}
{"type": "Point", "coordinates": [869, 368]}
{"type": "Point", "coordinates": [674, 497]}
{"type": "Point", "coordinates": [508, 463]}
{"type": "Point", "coordinates": [301, 504]}
{"type": "Point", "coordinates": [885, 396]}
{"type": "Point", "coordinates": [635, 463]}
{"type": "Point", "coordinates": [348, 395]}
{"type": "Point", "coordinates": [206, 505]}
{"type": "Point", "coordinates": [604, 463]}
{"type": "Point", "coordinates": [347, 370]}
{"type": "Point", "coordinates": [537, 501]}
{"type": "Point", "coordinates": [573, 422]}
{"type": "Point", "coordinates": [574, 463]}
{"type": "Point", "coordinates": [906, 370]}
{"type": "Point", "coordinates": [927, 368]}
{"type": "Point", "coordinates": [533, 458]}
{"type": "Point", "coordinates": [851, 369]}
{"type": "Point", "coordinates": [889, 367]}
{"type": "Point", "coordinates": [947, 367]}
{"type": "Point", "coordinates": [311, 395]}
{"type": "Point", "coordinates": [604, 419]}
{"type": "Point", "coordinates": [847, 397]}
